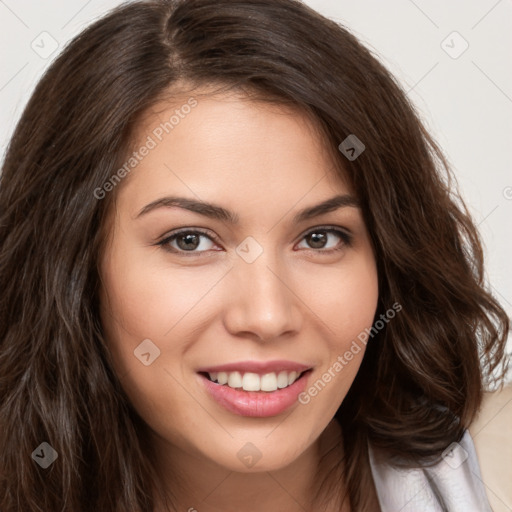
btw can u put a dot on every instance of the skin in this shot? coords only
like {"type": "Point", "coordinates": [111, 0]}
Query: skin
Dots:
{"type": "Point", "coordinates": [294, 302]}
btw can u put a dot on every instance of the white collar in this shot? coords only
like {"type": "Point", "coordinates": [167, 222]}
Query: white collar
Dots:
{"type": "Point", "coordinates": [452, 485]}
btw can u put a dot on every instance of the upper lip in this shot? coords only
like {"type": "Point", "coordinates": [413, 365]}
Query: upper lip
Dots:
{"type": "Point", "coordinates": [260, 367]}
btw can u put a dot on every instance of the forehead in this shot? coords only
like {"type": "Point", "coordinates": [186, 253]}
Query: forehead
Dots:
{"type": "Point", "coordinates": [208, 143]}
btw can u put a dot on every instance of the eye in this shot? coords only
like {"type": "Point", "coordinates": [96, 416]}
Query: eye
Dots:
{"type": "Point", "coordinates": [318, 238]}
{"type": "Point", "coordinates": [188, 241]}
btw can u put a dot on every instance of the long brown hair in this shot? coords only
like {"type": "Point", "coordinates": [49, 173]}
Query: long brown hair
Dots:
{"type": "Point", "coordinates": [421, 380]}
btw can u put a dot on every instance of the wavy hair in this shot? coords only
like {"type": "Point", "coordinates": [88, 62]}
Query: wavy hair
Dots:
{"type": "Point", "coordinates": [422, 377]}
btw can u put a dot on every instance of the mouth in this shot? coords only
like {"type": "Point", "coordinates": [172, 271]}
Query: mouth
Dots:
{"type": "Point", "coordinates": [255, 394]}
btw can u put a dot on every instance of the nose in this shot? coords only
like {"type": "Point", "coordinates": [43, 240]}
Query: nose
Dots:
{"type": "Point", "coordinates": [262, 301]}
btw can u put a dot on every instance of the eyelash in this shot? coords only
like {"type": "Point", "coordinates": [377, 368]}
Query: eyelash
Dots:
{"type": "Point", "coordinates": [344, 236]}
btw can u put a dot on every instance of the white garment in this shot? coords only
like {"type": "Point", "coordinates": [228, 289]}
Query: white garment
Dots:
{"type": "Point", "coordinates": [452, 485]}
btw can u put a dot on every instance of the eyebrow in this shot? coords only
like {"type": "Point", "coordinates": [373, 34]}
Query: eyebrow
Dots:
{"type": "Point", "coordinates": [217, 212]}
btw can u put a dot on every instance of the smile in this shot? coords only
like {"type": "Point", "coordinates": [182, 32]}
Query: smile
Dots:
{"type": "Point", "coordinates": [257, 393]}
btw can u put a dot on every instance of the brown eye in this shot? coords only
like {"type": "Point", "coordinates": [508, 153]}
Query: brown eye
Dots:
{"type": "Point", "coordinates": [319, 238]}
{"type": "Point", "coordinates": [187, 242]}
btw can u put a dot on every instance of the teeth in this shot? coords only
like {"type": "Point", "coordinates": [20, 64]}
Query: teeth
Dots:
{"type": "Point", "coordinates": [268, 382]}
{"type": "Point", "coordinates": [282, 380]}
{"type": "Point", "coordinates": [235, 380]}
{"type": "Point", "coordinates": [253, 382]}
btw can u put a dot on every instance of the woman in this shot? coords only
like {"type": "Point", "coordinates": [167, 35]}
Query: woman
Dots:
{"type": "Point", "coordinates": [235, 277]}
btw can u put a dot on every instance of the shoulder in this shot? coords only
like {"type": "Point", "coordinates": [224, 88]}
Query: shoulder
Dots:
{"type": "Point", "coordinates": [492, 436]}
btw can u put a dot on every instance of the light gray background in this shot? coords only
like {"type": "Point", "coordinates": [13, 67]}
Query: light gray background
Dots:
{"type": "Point", "coordinates": [464, 98]}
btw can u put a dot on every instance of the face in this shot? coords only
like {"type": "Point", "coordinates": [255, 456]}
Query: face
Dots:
{"type": "Point", "coordinates": [258, 290]}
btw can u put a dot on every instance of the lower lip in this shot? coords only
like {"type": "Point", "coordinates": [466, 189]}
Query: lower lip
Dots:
{"type": "Point", "coordinates": [257, 404]}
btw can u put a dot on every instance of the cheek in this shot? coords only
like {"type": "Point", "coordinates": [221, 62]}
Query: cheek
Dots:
{"type": "Point", "coordinates": [360, 305]}
{"type": "Point", "coordinates": [344, 298]}
{"type": "Point", "coordinates": [142, 302]}
{"type": "Point", "coordinates": [147, 300]}
{"type": "Point", "coordinates": [347, 304]}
